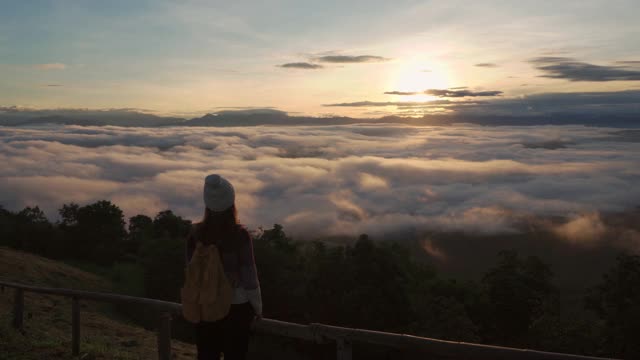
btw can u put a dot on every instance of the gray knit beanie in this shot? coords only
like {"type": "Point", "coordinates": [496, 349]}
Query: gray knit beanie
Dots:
{"type": "Point", "coordinates": [218, 193]}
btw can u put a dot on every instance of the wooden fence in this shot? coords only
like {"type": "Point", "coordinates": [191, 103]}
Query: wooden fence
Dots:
{"type": "Point", "coordinates": [316, 333]}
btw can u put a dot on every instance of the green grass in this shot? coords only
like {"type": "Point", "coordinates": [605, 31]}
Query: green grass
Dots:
{"type": "Point", "coordinates": [30, 345]}
{"type": "Point", "coordinates": [16, 345]}
{"type": "Point", "coordinates": [47, 318]}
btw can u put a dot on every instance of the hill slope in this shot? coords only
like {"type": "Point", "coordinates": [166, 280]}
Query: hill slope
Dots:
{"type": "Point", "coordinates": [47, 328]}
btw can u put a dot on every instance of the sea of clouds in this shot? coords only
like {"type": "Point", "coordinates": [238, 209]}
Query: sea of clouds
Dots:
{"type": "Point", "coordinates": [333, 180]}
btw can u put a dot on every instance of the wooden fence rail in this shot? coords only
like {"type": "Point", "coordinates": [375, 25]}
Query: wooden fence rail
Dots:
{"type": "Point", "coordinates": [317, 333]}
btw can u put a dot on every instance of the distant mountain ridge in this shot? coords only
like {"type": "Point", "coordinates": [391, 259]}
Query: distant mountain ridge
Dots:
{"type": "Point", "coordinates": [87, 118]}
{"type": "Point", "coordinates": [258, 117]}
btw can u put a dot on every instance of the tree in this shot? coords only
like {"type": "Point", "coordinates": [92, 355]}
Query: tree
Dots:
{"type": "Point", "coordinates": [163, 259]}
{"type": "Point", "coordinates": [376, 276]}
{"type": "Point", "coordinates": [517, 292]}
{"type": "Point", "coordinates": [69, 214]}
{"type": "Point", "coordinates": [164, 255]}
{"type": "Point", "coordinates": [139, 225]}
{"type": "Point", "coordinates": [6, 226]}
{"type": "Point", "coordinates": [166, 223]}
{"type": "Point", "coordinates": [140, 231]}
{"type": "Point", "coordinates": [279, 262]}
{"type": "Point", "coordinates": [34, 231]}
{"type": "Point", "coordinates": [93, 232]}
{"type": "Point", "coordinates": [441, 307]}
{"type": "Point", "coordinates": [323, 270]}
{"type": "Point", "coordinates": [616, 301]}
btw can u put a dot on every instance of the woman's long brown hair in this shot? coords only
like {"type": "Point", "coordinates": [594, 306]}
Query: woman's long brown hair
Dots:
{"type": "Point", "coordinates": [218, 227]}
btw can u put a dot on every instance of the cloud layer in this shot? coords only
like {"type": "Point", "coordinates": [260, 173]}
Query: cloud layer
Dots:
{"type": "Point", "coordinates": [453, 92]}
{"type": "Point", "coordinates": [332, 59]}
{"type": "Point", "coordinates": [607, 108]}
{"type": "Point", "coordinates": [573, 70]}
{"type": "Point", "coordinates": [461, 93]}
{"type": "Point", "coordinates": [319, 180]}
{"type": "Point", "coordinates": [347, 59]}
{"type": "Point", "coordinates": [486, 65]}
{"type": "Point", "coordinates": [301, 65]}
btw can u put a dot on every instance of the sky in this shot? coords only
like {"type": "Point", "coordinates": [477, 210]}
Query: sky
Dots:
{"type": "Point", "coordinates": [189, 57]}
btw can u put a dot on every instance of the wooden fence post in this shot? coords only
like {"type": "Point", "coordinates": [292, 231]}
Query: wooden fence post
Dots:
{"type": "Point", "coordinates": [164, 336]}
{"type": "Point", "coordinates": [75, 326]}
{"type": "Point", "coordinates": [18, 308]}
{"type": "Point", "coordinates": [344, 350]}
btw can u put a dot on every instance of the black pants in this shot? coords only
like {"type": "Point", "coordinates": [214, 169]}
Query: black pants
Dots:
{"type": "Point", "coordinates": [229, 335]}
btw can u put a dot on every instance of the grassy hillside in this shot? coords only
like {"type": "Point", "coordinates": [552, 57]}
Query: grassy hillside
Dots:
{"type": "Point", "coordinates": [47, 330]}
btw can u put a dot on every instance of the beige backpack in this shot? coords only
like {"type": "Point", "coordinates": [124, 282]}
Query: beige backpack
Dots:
{"type": "Point", "coordinates": [207, 294]}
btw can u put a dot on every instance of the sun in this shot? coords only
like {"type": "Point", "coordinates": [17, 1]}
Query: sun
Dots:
{"type": "Point", "coordinates": [417, 75]}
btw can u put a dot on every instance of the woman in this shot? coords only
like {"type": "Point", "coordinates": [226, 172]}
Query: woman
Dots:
{"type": "Point", "coordinates": [220, 227]}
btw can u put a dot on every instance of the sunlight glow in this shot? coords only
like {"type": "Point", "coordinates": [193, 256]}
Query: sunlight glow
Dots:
{"type": "Point", "coordinates": [417, 75]}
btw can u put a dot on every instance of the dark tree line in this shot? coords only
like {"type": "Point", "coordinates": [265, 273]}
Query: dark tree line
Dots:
{"type": "Point", "coordinates": [370, 284]}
